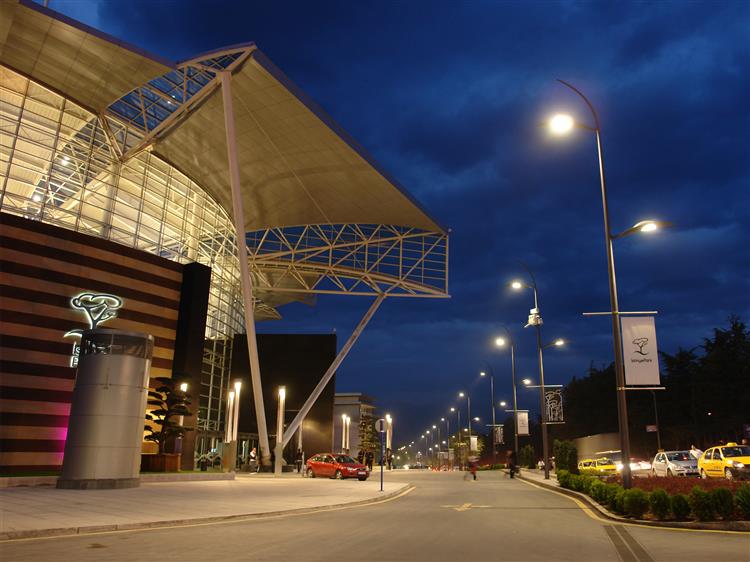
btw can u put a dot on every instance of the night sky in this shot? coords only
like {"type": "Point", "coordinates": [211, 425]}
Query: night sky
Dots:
{"type": "Point", "coordinates": [449, 98]}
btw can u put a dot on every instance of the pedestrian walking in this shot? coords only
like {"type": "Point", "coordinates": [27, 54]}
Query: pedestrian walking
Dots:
{"type": "Point", "coordinates": [369, 458]}
{"type": "Point", "coordinates": [298, 460]}
{"type": "Point", "coordinates": [471, 469]}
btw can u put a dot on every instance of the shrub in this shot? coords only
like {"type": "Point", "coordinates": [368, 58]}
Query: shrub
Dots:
{"type": "Point", "coordinates": [611, 496]}
{"type": "Point", "coordinates": [576, 482]}
{"type": "Point", "coordinates": [635, 503]}
{"type": "Point", "coordinates": [598, 491]}
{"type": "Point", "coordinates": [564, 477]}
{"type": "Point", "coordinates": [659, 502]}
{"type": "Point", "coordinates": [723, 502]}
{"type": "Point", "coordinates": [701, 504]}
{"type": "Point", "coordinates": [587, 482]}
{"type": "Point", "coordinates": [742, 497]}
{"type": "Point", "coordinates": [680, 506]}
{"type": "Point", "coordinates": [620, 501]}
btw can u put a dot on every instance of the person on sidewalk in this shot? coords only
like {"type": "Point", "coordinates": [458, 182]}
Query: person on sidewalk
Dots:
{"type": "Point", "coordinates": [253, 460]}
{"type": "Point", "coordinates": [369, 458]}
{"type": "Point", "coordinates": [298, 460]}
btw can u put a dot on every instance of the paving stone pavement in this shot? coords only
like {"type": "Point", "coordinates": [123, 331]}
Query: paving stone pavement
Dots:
{"type": "Point", "coordinates": [40, 510]}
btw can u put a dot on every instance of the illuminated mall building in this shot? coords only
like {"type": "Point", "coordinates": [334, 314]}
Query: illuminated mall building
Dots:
{"type": "Point", "coordinates": [126, 180]}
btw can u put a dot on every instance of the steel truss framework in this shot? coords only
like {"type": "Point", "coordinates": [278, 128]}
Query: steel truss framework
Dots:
{"type": "Point", "coordinates": [286, 263]}
{"type": "Point", "coordinates": [352, 259]}
{"type": "Point", "coordinates": [149, 111]}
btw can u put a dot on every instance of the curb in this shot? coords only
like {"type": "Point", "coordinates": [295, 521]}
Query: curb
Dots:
{"type": "Point", "coordinates": [732, 526]}
{"type": "Point", "coordinates": [92, 529]}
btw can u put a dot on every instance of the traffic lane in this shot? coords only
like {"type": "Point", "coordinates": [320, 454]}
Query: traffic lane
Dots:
{"type": "Point", "coordinates": [440, 520]}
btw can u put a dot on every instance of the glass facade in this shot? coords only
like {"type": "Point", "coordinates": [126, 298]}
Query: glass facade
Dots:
{"type": "Point", "coordinates": [58, 165]}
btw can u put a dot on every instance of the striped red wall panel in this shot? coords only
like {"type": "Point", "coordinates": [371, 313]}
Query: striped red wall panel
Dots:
{"type": "Point", "coordinates": [41, 268]}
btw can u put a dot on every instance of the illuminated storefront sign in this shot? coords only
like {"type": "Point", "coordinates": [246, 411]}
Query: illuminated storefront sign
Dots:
{"type": "Point", "coordinates": [98, 308]}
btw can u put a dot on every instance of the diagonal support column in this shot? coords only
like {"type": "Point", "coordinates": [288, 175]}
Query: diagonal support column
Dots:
{"type": "Point", "coordinates": [331, 370]}
{"type": "Point", "coordinates": [247, 288]}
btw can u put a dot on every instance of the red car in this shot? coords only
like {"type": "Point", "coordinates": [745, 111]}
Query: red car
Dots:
{"type": "Point", "coordinates": [335, 466]}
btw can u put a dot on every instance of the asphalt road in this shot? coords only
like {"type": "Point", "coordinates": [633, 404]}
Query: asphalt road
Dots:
{"type": "Point", "coordinates": [443, 518]}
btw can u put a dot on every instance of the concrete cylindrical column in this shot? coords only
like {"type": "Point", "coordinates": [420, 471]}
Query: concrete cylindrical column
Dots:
{"type": "Point", "coordinates": [107, 416]}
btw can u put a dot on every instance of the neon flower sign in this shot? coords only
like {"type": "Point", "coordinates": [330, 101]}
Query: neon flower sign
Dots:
{"type": "Point", "coordinates": [98, 308]}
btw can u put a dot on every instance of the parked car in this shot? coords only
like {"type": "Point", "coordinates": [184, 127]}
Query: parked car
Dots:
{"type": "Point", "coordinates": [728, 461]}
{"type": "Point", "coordinates": [586, 466]}
{"type": "Point", "coordinates": [638, 467]}
{"type": "Point", "coordinates": [335, 466]}
{"type": "Point", "coordinates": [674, 463]}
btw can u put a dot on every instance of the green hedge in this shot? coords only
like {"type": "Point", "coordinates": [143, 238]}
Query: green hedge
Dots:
{"type": "Point", "coordinates": [742, 497]}
{"type": "Point", "coordinates": [680, 506]}
{"type": "Point", "coordinates": [659, 503]}
{"type": "Point", "coordinates": [635, 503]}
{"type": "Point", "coordinates": [702, 505]}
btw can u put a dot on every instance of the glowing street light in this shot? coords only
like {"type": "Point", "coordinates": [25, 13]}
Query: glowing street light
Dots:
{"type": "Point", "coordinates": [279, 447]}
{"type": "Point", "coordinates": [560, 125]}
{"type": "Point", "coordinates": [527, 382]}
{"type": "Point", "coordinates": [503, 403]}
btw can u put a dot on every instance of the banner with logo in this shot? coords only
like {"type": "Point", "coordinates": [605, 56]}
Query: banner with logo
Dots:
{"type": "Point", "coordinates": [473, 443]}
{"type": "Point", "coordinates": [523, 423]}
{"type": "Point", "coordinates": [554, 403]}
{"type": "Point", "coordinates": [498, 431]}
{"type": "Point", "coordinates": [640, 354]}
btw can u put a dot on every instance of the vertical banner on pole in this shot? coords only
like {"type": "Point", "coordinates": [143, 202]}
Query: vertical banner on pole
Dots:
{"type": "Point", "coordinates": [498, 434]}
{"type": "Point", "coordinates": [554, 404]}
{"type": "Point", "coordinates": [473, 443]}
{"type": "Point", "coordinates": [640, 354]}
{"type": "Point", "coordinates": [523, 423]}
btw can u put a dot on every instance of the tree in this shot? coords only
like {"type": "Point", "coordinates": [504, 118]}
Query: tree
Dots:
{"type": "Point", "coordinates": [566, 456]}
{"type": "Point", "coordinates": [526, 456]}
{"type": "Point", "coordinates": [169, 402]}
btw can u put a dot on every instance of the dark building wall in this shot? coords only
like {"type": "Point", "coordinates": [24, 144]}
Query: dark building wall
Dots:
{"type": "Point", "coordinates": [43, 267]}
{"type": "Point", "coordinates": [297, 362]}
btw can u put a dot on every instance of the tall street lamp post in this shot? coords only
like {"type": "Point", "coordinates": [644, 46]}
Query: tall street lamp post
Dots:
{"type": "Point", "coordinates": [468, 409]}
{"type": "Point", "coordinates": [448, 433]}
{"type": "Point", "coordinates": [502, 342]}
{"type": "Point", "coordinates": [492, 400]}
{"type": "Point", "coordinates": [656, 421]}
{"type": "Point", "coordinates": [535, 319]}
{"type": "Point", "coordinates": [279, 447]}
{"type": "Point", "coordinates": [561, 125]}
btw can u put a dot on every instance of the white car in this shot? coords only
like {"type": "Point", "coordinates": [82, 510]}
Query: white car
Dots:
{"type": "Point", "coordinates": [674, 463]}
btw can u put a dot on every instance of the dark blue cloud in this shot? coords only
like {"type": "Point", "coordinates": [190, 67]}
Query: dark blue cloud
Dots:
{"type": "Point", "coordinates": [449, 98]}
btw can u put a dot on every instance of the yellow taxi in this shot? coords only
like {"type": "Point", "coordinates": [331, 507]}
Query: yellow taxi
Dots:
{"type": "Point", "coordinates": [586, 466]}
{"type": "Point", "coordinates": [728, 461]}
{"type": "Point", "coordinates": [604, 465]}
{"type": "Point", "coordinates": [597, 467]}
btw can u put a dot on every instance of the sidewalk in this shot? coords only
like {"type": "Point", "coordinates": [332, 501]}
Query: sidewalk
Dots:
{"type": "Point", "coordinates": [37, 512]}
